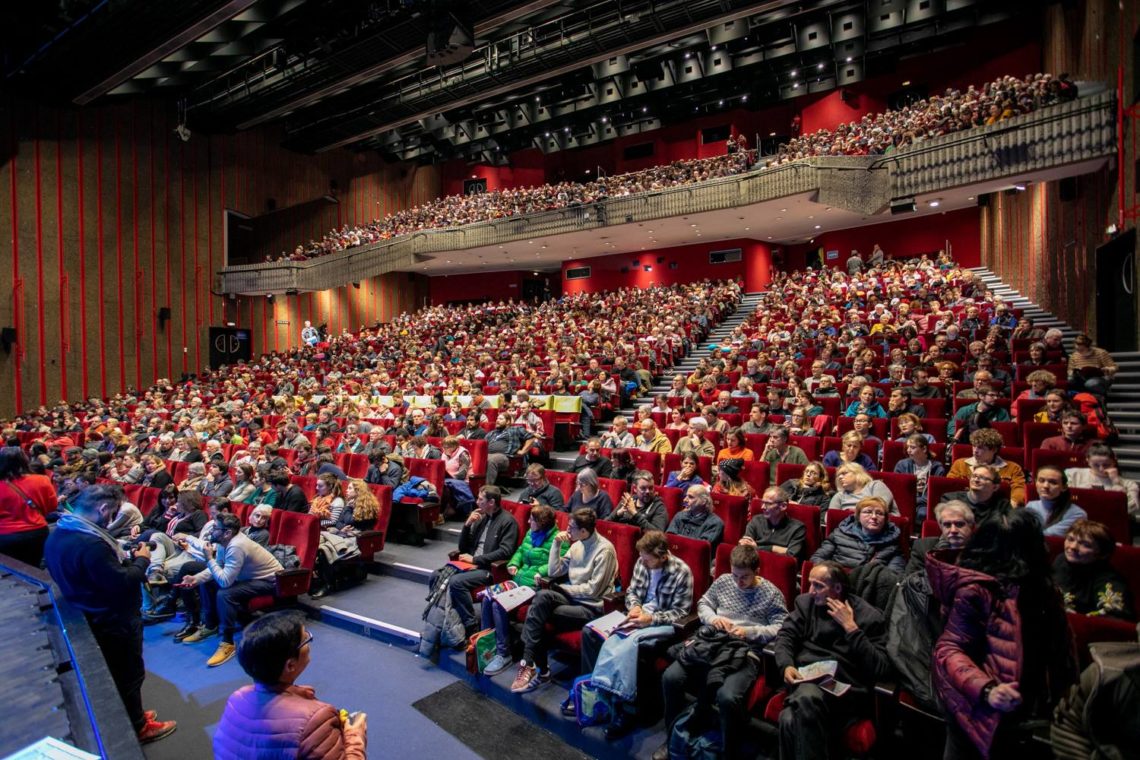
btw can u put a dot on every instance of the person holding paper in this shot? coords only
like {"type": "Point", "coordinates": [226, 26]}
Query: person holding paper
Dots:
{"type": "Point", "coordinates": [528, 563]}
{"type": "Point", "coordinates": [748, 608]}
{"type": "Point", "coordinates": [590, 567]}
{"type": "Point", "coordinates": [827, 623]}
{"type": "Point", "coordinates": [489, 535]}
{"type": "Point", "coordinates": [660, 594]}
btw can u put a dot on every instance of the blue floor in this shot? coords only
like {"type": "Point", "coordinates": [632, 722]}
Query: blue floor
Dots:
{"type": "Point", "coordinates": [347, 671]}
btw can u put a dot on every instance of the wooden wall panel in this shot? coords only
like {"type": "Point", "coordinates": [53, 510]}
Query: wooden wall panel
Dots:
{"type": "Point", "coordinates": [1043, 246]}
{"type": "Point", "coordinates": [107, 217]}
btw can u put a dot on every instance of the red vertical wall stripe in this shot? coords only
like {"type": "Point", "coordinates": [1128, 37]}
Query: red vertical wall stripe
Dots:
{"type": "Point", "coordinates": [153, 255]}
{"type": "Point", "coordinates": [40, 264]}
{"type": "Point", "coordinates": [119, 253]}
{"type": "Point", "coordinates": [102, 254]}
{"type": "Point", "coordinates": [64, 280]}
{"type": "Point", "coordinates": [137, 289]}
{"type": "Point", "coordinates": [197, 269]}
{"type": "Point", "coordinates": [168, 246]}
{"type": "Point", "coordinates": [17, 301]}
{"type": "Point", "coordinates": [82, 255]}
{"type": "Point", "coordinates": [182, 241]}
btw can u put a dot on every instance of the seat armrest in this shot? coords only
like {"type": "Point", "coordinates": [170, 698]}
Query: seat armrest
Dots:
{"type": "Point", "coordinates": [887, 689]}
{"type": "Point", "coordinates": [613, 602]}
{"type": "Point", "coordinates": [293, 582]}
{"type": "Point", "coordinates": [686, 626]}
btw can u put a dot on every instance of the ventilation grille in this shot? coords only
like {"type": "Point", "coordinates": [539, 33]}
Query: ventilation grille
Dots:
{"type": "Point", "coordinates": [729, 256]}
{"type": "Point", "coordinates": [577, 273]}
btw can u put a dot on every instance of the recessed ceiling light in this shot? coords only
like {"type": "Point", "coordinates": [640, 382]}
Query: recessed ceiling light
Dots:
{"type": "Point", "coordinates": [793, 72]}
{"type": "Point", "coordinates": [970, 198]}
{"type": "Point", "coordinates": [820, 67]}
{"type": "Point", "coordinates": [796, 86]}
{"type": "Point", "coordinates": [783, 210]}
{"type": "Point", "coordinates": [935, 204]}
{"type": "Point", "coordinates": [779, 219]}
{"type": "Point", "coordinates": [817, 227]}
{"type": "Point", "coordinates": [848, 59]}
{"type": "Point", "coordinates": [746, 229]}
{"type": "Point", "coordinates": [769, 237]}
{"type": "Point", "coordinates": [811, 216]}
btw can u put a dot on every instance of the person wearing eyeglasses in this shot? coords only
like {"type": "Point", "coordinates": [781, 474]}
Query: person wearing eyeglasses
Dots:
{"type": "Point", "coordinates": [981, 414]}
{"type": "Point", "coordinates": [866, 537]}
{"type": "Point", "coordinates": [593, 459]}
{"type": "Point", "coordinates": [275, 717]}
{"type": "Point", "coordinates": [771, 529]}
{"type": "Point", "coordinates": [983, 494]}
{"type": "Point", "coordinates": [987, 445]}
{"type": "Point", "coordinates": [240, 571]}
{"type": "Point", "coordinates": [539, 490]}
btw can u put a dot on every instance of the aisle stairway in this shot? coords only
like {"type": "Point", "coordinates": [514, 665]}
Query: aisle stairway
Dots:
{"type": "Point", "coordinates": [1124, 408]}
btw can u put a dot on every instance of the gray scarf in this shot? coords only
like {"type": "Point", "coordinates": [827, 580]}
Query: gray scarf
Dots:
{"type": "Point", "coordinates": [80, 524]}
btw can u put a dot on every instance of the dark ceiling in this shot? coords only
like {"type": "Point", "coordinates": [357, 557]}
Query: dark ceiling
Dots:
{"type": "Point", "coordinates": [502, 74]}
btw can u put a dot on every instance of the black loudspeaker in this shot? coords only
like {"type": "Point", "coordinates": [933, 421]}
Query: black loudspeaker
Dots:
{"type": "Point", "coordinates": [1067, 189]}
{"type": "Point", "coordinates": [984, 200]}
{"type": "Point", "coordinates": [7, 338]}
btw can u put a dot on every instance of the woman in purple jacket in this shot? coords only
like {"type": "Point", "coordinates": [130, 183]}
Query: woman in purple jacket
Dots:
{"type": "Point", "coordinates": [1004, 656]}
{"type": "Point", "coordinates": [274, 717]}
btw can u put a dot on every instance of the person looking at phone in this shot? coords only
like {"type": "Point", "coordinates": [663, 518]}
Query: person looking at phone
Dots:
{"type": "Point", "coordinates": [539, 490]}
{"type": "Point", "coordinates": [828, 623]}
{"type": "Point", "coordinates": [275, 717]}
{"type": "Point", "coordinates": [237, 570]}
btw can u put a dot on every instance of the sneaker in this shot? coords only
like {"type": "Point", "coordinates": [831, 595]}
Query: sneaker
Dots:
{"type": "Point", "coordinates": [526, 680]}
{"type": "Point", "coordinates": [497, 665]}
{"type": "Point", "coordinates": [151, 716]}
{"type": "Point", "coordinates": [156, 616]}
{"type": "Point", "coordinates": [154, 730]}
{"type": "Point", "coordinates": [201, 634]}
{"type": "Point", "coordinates": [224, 653]}
{"type": "Point", "coordinates": [186, 631]}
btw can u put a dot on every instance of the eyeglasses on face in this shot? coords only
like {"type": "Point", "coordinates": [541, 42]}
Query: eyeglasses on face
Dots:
{"type": "Point", "coordinates": [307, 640]}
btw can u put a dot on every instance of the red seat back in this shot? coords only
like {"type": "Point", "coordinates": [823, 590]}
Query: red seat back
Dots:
{"type": "Point", "coordinates": [563, 481]}
{"type": "Point", "coordinates": [521, 513]}
{"type": "Point", "coordinates": [1108, 507]}
{"type": "Point", "coordinates": [672, 498]}
{"type": "Point", "coordinates": [624, 538]}
{"type": "Point", "coordinates": [615, 488]}
{"type": "Point", "coordinates": [647, 460]}
{"type": "Point", "coordinates": [937, 485]}
{"type": "Point", "coordinates": [307, 483]}
{"type": "Point", "coordinates": [697, 554]}
{"type": "Point", "coordinates": [904, 489]}
{"type": "Point", "coordinates": [808, 443]}
{"type": "Point", "coordinates": [756, 475]}
{"type": "Point", "coordinates": [810, 517]}
{"type": "Point", "coordinates": [673, 463]}
{"type": "Point", "coordinates": [1035, 433]}
{"type": "Point", "coordinates": [786, 472]}
{"type": "Point", "coordinates": [432, 470]}
{"type": "Point", "coordinates": [301, 531]}
{"type": "Point", "coordinates": [931, 529]}
{"type": "Point", "coordinates": [778, 569]}
{"type": "Point", "coordinates": [733, 510]}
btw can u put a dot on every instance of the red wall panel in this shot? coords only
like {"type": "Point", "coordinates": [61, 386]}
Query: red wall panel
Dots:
{"type": "Point", "coordinates": [692, 263]}
{"type": "Point", "coordinates": [903, 237]}
{"type": "Point", "coordinates": [495, 286]}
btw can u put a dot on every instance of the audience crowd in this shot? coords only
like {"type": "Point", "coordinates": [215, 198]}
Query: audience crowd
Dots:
{"type": "Point", "coordinates": [823, 416]}
{"type": "Point", "coordinates": [875, 134]}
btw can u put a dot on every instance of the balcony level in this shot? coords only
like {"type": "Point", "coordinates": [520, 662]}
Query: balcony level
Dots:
{"type": "Point", "coordinates": [786, 204]}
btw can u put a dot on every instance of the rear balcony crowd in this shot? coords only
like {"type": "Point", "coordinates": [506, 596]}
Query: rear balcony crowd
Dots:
{"type": "Point", "coordinates": [874, 134]}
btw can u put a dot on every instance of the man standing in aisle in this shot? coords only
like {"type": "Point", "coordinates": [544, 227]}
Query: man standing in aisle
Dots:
{"type": "Point", "coordinates": [89, 568]}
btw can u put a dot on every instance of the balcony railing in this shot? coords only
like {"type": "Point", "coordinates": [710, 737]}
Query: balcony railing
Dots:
{"type": "Point", "coordinates": [1059, 135]}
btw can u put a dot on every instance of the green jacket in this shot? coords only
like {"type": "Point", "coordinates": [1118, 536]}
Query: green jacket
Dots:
{"type": "Point", "coordinates": [533, 560]}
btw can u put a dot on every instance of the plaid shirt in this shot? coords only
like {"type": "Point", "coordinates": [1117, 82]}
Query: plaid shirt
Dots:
{"type": "Point", "coordinates": [674, 591]}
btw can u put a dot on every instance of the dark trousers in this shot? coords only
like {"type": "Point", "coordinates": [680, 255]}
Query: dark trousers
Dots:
{"type": "Point", "coordinates": [554, 608]}
{"type": "Point", "coordinates": [809, 718]}
{"type": "Point", "coordinates": [191, 597]}
{"type": "Point", "coordinates": [122, 649]}
{"type": "Point", "coordinates": [729, 692]}
{"type": "Point", "coordinates": [223, 606]}
{"type": "Point", "coordinates": [460, 589]}
{"type": "Point", "coordinates": [27, 546]}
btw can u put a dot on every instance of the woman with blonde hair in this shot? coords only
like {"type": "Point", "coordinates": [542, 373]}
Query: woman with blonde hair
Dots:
{"type": "Point", "coordinates": [853, 484]}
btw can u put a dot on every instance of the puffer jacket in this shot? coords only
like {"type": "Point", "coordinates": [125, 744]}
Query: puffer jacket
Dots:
{"type": "Point", "coordinates": [284, 722]}
{"type": "Point", "coordinates": [982, 625]}
{"type": "Point", "coordinates": [533, 560]}
{"type": "Point", "coordinates": [850, 546]}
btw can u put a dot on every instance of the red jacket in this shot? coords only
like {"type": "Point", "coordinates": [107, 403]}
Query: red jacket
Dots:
{"type": "Point", "coordinates": [16, 515]}
{"type": "Point", "coordinates": [287, 722]}
{"type": "Point", "coordinates": [980, 645]}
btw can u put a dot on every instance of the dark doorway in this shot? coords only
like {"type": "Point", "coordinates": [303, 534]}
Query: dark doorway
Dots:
{"type": "Point", "coordinates": [1116, 293]}
{"type": "Point", "coordinates": [532, 290]}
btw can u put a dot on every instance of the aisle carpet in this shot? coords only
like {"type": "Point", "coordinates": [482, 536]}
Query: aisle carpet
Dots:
{"type": "Point", "coordinates": [489, 729]}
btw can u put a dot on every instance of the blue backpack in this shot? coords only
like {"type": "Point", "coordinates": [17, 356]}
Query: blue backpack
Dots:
{"type": "Point", "coordinates": [593, 706]}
